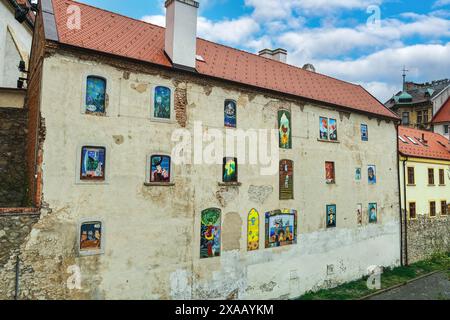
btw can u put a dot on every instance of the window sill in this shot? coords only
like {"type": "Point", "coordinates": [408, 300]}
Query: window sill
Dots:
{"type": "Point", "coordinates": [442, 185]}
{"type": "Point", "coordinates": [159, 184]}
{"type": "Point", "coordinates": [329, 141]}
{"type": "Point", "coordinates": [411, 185]}
{"type": "Point", "coordinates": [161, 120]}
{"type": "Point", "coordinates": [432, 185]}
{"type": "Point", "coordinates": [229, 184]}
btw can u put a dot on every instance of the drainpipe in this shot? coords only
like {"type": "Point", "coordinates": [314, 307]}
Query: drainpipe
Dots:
{"type": "Point", "coordinates": [405, 215]}
{"type": "Point", "coordinates": [400, 200]}
{"type": "Point", "coordinates": [16, 292]}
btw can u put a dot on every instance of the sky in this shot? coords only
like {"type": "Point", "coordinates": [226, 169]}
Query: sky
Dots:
{"type": "Point", "coordinates": [361, 41]}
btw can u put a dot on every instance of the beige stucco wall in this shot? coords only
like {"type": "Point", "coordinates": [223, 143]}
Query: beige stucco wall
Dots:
{"type": "Point", "coordinates": [152, 234]}
{"type": "Point", "coordinates": [11, 98]}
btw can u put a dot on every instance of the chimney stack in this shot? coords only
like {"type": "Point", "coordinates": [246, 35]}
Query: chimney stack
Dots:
{"type": "Point", "coordinates": [277, 54]}
{"type": "Point", "coordinates": [181, 32]}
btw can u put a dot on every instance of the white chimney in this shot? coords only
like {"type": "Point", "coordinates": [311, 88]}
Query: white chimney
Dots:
{"type": "Point", "coordinates": [181, 32]}
{"type": "Point", "coordinates": [277, 54]}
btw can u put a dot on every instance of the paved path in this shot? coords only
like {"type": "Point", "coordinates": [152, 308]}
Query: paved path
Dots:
{"type": "Point", "coordinates": [434, 287]}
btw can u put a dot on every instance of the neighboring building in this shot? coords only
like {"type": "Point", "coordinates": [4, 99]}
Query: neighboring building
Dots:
{"type": "Point", "coordinates": [414, 104]}
{"type": "Point", "coordinates": [105, 100]}
{"type": "Point", "coordinates": [15, 45]}
{"type": "Point", "coordinates": [441, 119]}
{"type": "Point", "coordinates": [425, 166]}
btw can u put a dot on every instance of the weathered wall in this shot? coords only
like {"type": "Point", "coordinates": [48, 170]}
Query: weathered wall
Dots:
{"type": "Point", "coordinates": [12, 98]}
{"type": "Point", "coordinates": [13, 134]}
{"type": "Point", "coordinates": [14, 229]}
{"type": "Point", "coordinates": [152, 234]}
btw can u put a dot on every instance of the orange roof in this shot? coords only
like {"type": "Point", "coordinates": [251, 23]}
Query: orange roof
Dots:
{"type": "Point", "coordinates": [443, 115]}
{"type": "Point", "coordinates": [115, 34]}
{"type": "Point", "coordinates": [435, 145]}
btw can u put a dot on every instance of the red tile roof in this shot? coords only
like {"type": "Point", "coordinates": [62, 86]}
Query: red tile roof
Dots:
{"type": "Point", "coordinates": [443, 115]}
{"type": "Point", "coordinates": [436, 145]}
{"type": "Point", "coordinates": [112, 33]}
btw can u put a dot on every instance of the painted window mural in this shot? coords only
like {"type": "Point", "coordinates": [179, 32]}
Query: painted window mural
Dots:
{"type": "Point", "coordinates": [372, 174]}
{"type": "Point", "coordinates": [330, 175]}
{"type": "Point", "coordinates": [331, 216]}
{"type": "Point", "coordinates": [284, 127]}
{"type": "Point", "coordinates": [95, 95]}
{"type": "Point", "coordinates": [328, 129]}
{"type": "Point", "coordinates": [230, 170]}
{"type": "Point", "coordinates": [210, 233]}
{"type": "Point", "coordinates": [91, 236]}
{"type": "Point", "coordinates": [162, 102]}
{"type": "Point", "coordinates": [281, 228]}
{"type": "Point", "coordinates": [358, 173]}
{"type": "Point", "coordinates": [93, 163]}
{"type": "Point", "coordinates": [364, 132]}
{"type": "Point", "coordinates": [253, 230]}
{"type": "Point", "coordinates": [359, 214]}
{"type": "Point", "coordinates": [160, 168]}
{"type": "Point", "coordinates": [286, 180]}
{"type": "Point", "coordinates": [373, 213]}
{"type": "Point", "coordinates": [230, 113]}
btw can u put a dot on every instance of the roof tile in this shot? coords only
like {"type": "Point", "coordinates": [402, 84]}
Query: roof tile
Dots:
{"type": "Point", "coordinates": [436, 146]}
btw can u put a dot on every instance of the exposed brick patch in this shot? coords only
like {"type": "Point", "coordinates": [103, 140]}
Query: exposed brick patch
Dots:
{"type": "Point", "coordinates": [181, 104]}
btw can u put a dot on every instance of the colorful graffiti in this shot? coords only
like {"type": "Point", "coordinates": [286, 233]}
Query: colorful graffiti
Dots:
{"type": "Point", "coordinates": [372, 174]}
{"type": "Point", "coordinates": [210, 233]}
{"type": "Point", "coordinates": [286, 180]}
{"type": "Point", "coordinates": [95, 95]}
{"type": "Point", "coordinates": [92, 163]}
{"type": "Point", "coordinates": [91, 236]}
{"type": "Point", "coordinates": [230, 170]}
{"type": "Point", "coordinates": [323, 128]}
{"type": "Point", "coordinates": [330, 175]}
{"type": "Point", "coordinates": [253, 230]}
{"type": "Point", "coordinates": [373, 213]}
{"type": "Point", "coordinates": [230, 113]}
{"type": "Point", "coordinates": [364, 132]}
{"type": "Point", "coordinates": [358, 173]}
{"type": "Point", "coordinates": [160, 169]}
{"type": "Point", "coordinates": [162, 100]}
{"type": "Point", "coordinates": [284, 127]}
{"type": "Point", "coordinates": [281, 228]}
{"type": "Point", "coordinates": [331, 216]}
{"type": "Point", "coordinates": [359, 215]}
{"type": "Point", "coordinates": [332, 125]}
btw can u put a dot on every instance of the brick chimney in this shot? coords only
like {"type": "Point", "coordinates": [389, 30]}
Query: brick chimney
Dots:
{"type": "Point", "coordinates": [181, 32]}
{"type": "Point", "coordinates": [277, 54]}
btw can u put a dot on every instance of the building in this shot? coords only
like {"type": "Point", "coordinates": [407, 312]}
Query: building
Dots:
{"type": "Point", "coordinates": [415, 104]}
{"type": "Point", "coordinates": [121, 219]}
{"type": "Point", "coordinates": [441, 118]}
{"type": "Point", "coordinates": [425, 166]}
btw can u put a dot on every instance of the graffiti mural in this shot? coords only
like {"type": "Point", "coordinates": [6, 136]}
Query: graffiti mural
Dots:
{"type": "Point", "coordinates": [230, 170]}
{"type": "Point", "coordinates": [210, 233]}
{"type": "Point", "coordinates": [331, 216]}
{"type": "Point", "coordinates": [358, 173]}
{"type": "Point", "coordinates": [90, 236]}
{"type": "Point", "coordinates": [281, 228]}
{"type": "Point", "coordinates": [330, 175]}
{"type": "Point", "coordinates": [359, 215]}
{"type": "Point", "coordinates": [92, 163]}
{"type": "Point", "coordinates": [253, 230]}
{"type": "Point", "coordinates": [162, 101]}
{"type": "Point", "coordinates": [332, 125]}
{"type": "Point", "coordinates": [284, 127]}
{"type": "Point", "coordinates": [364, 132]}
{"type": "Point", "coordinates": [372, 174]}
{"type": "Point", "coordinates": [95, 95]}
{"type": "Point", "coordinates": [230, 113]}
{"type": "Point", "coordinates": [373, 213]}
{"type": "Point", "coordinates": [323, 128]}
{"type": "Point", "coordinates": [160, 168]}
{"type": "Point", "coordinates": [286, 180]}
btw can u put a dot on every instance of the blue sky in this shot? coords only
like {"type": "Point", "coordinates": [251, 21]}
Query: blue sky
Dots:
{"type": "Point", "coordinates": [361, 41]}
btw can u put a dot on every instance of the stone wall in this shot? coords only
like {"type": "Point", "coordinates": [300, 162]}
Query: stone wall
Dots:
{"type": "Point", "coordinates": [14, 229]}
{"type": "Point", "coordinates": [12, 157]}
{"type": "Point", "coordinates": [427, 236]}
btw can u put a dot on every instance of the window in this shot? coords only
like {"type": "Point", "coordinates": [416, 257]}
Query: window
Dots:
{"type": "Point", "coordinates": [95, 95]}
{"type": "Point", "coordinates": [405, 118]}
{"type": "Point", "coordinates": [372, 174]}
{"type": "Point", "coordinates": [425, 116]}
{"type": "Point", "coordinates": [431, 176]}
{"type": "Point", "coordinates": [92, 163]}
{"type": "Point", "coordinates": [90, 238]}
{"type": "Point", "coordinates": [284, 127]}
{"type": "Point", "coordinates": [432, 208]}
{"type": "Point", "coordinates": [330, 176]}
{"type": "Point", "coordinates": [419, 117]}
{"type": "Point", "coordinates": [373, 213]}
{"type": "Point", "coordinates": [411, 177]}
{"type": "Point", "coordinates": [412, 210]}
{"type": "Point", "coordinates": [162, 103]}
{"type": "Point", "coordinates": [443, 208]}
{"type": "Point", "coordinates": [331, 216]}
{"type": "Point", "coordinates": [441, 177]}
{"type": "Point", "coordinates": [210, 231]}
{"type": "Point", "coordinates": [328, 129]}
{"type": "Point", "coordinates": [230, 170]}
{"type": "Point", "coordinates": [402, 140]}
{"type": "Point", "coordinates": [230, 113]}
{"type": "Point", "coordinates": [412, 140]}
{"type": "Point", "coordinates": [286, 180]}
{"type": "Point", "coordinates": [358, 173]}
{"type": "Point", "coordinates": [160, 169]}
{"type": "Point", "coordinates": [446, 128]}
{"type": "Point", "coordinates": [364, 132]}
{"type": "Point", "coordinates": [253, 230]}
{"type": "Point", "coordinates": [281, 228]}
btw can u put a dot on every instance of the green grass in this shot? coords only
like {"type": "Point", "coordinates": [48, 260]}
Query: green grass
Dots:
{"type": "Point", "coordinates": [390, 277]}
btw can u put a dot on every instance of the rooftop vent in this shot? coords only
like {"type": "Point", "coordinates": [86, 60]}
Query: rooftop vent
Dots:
{"type": "Point", "coordinates": [277, 54]}
{"type": "Point", "coordinates": [309, 67]}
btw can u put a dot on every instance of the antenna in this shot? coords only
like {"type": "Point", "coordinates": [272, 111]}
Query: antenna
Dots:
{"type": "Point", "coordinates": [404, 78]}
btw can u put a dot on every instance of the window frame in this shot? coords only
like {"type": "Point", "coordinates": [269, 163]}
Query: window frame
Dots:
{"type": "Point", "coordinates": [444, 213]}
{"type": "Point", "coordinates": [408, 116]}
{"type": "Point", "coordinates": [446, 128]}
{"type": "Point", "coordinates": [328, 139]}
{"type": "Point", "coordinates": [441, 175]}
{"type": "Point", "coordinates": [148, 169]}
{"type": "Point", "coordinates": [108, 92]}
{"type": "Point", "coordinates": [367, 132]}
{"type": "Point", "coordinates": [431, 183]}
{"type": "Point", "coordinates": [291, 162]}
{"type": "Point", "coordinates": [222, 182]}
{"type": "Point", "coordinates": [91, 252]}
{"type": "Point", "coordinates": [78, 166]}
{"type": "Point", "coordinates": [172, 118]}
{"type": "Point", "coordinates": [225, 102]}
{"type": "Point", "coordinates": [415, 210]}
{"type": "Point", "coordinates": [334, 172]}
{"type": "Point", "coordinates": [409, 183]}
{"type": "Point", "coordinates": [429, 209]}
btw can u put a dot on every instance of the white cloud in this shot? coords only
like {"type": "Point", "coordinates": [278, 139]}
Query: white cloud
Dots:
{"type": "Point", "coordinates": [159, 20]}
{"type": "Point", "coordinates": [441, 3]}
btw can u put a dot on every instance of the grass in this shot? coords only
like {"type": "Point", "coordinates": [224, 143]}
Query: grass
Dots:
{"type": "Point", "coordinates": [390, 277]}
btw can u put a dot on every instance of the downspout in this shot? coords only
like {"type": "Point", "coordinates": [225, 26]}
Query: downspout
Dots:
{"type": "Point", "coordinates": [406, 216]}
{"type": "Point", "coordinates": [16, 291]}
{"type": "Point", "coordinates": [400, 199]}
